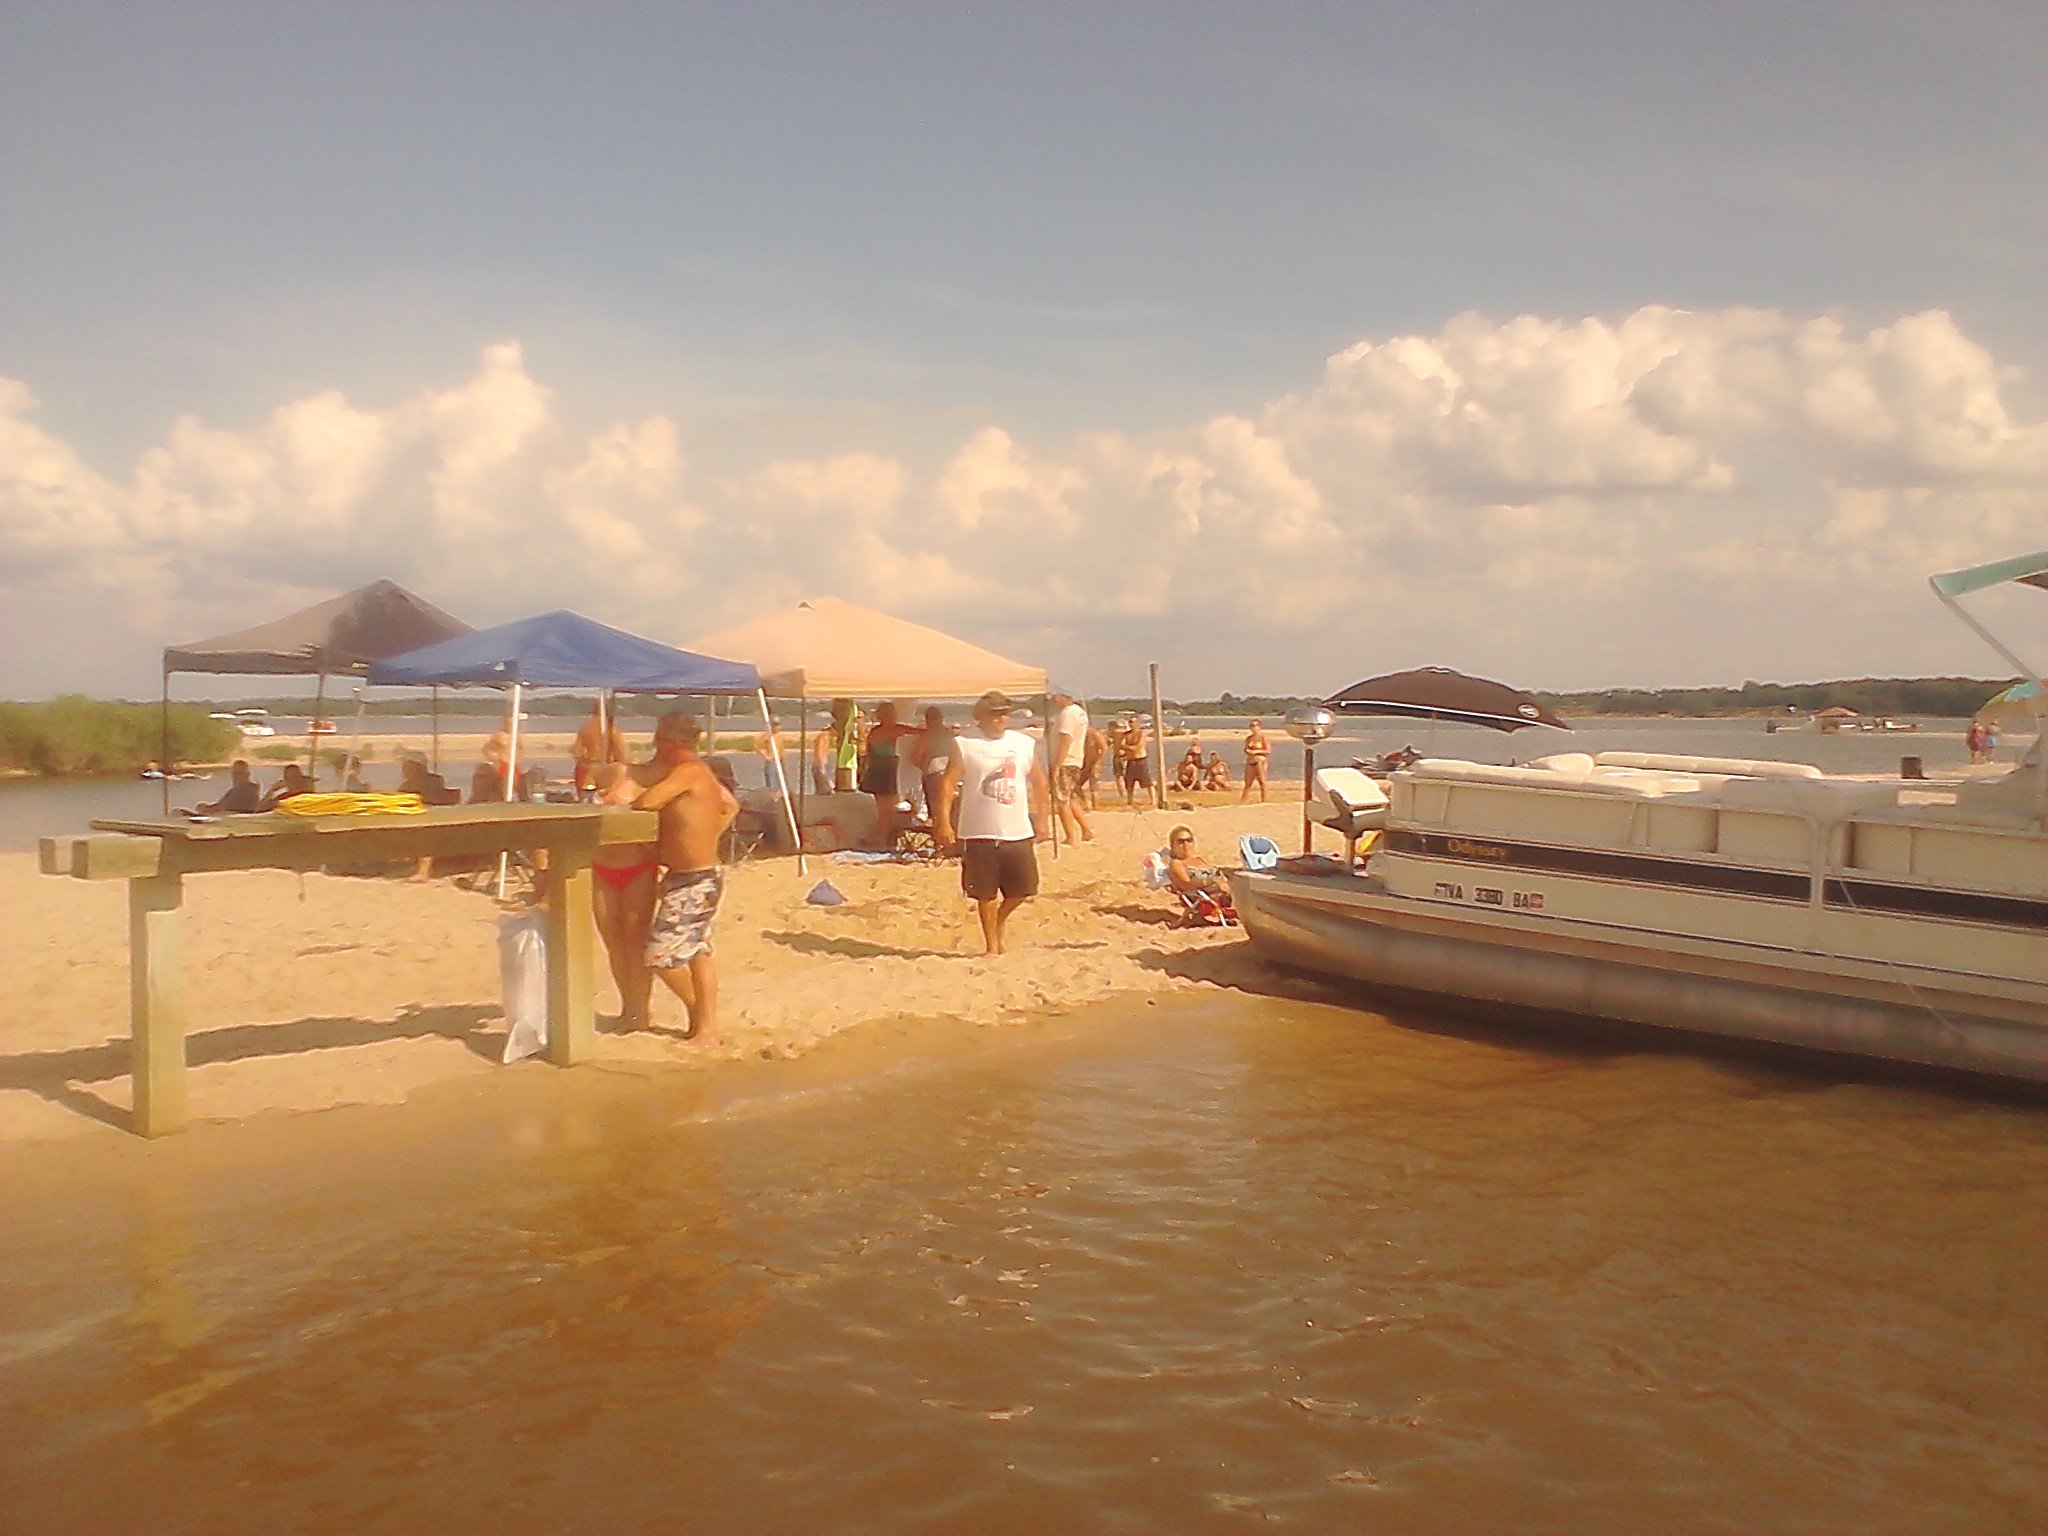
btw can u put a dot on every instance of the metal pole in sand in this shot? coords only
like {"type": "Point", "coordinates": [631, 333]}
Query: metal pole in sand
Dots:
{"type": "Point", "coordinates": [511, 773]}
{"type": "Point", "coordinates": [796, 837]}
{"type": "Point", "coordinates": [1158, 745]}
{"type": "Point", "coordinates": [312, 736]}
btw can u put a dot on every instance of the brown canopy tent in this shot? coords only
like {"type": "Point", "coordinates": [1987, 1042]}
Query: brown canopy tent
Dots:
{"type": "Point", "coordinates": [828, 648]}
{"type": "Point", "coordinates": [338, 637]}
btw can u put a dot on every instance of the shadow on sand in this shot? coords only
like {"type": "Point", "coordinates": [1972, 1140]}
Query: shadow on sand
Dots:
{"type": "Point", "coordinates": [65, 1077]}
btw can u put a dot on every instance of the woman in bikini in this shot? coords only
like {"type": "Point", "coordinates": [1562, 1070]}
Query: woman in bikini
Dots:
{"type": "Point", "coordinates": [623, 888]}
{"type": "Point", "coordinates": [1257, 749]}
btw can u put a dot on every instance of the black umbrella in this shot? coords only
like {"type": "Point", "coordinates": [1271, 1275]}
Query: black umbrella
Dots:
{"type": "Point", "coordinates": [1438, 693]}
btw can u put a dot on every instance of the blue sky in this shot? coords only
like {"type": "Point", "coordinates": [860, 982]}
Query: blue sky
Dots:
{"type": "Point", "coordinates": [850, 236]}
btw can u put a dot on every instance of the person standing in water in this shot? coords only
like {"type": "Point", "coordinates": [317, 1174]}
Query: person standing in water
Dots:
{"type": "Point", "coordinates": [990, 803]}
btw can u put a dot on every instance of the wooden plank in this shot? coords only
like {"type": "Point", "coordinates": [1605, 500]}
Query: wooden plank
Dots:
{"type": "Point", "coordinates": [571, 945]}
{"type": "Point", "coordinates": [53, 855]}
{"type": "Point", "coordinates": [116, 857]}
{"type": "Point", "coordinates": [156, 1003]}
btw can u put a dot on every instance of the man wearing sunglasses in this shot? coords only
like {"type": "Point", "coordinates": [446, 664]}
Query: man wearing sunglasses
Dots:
{"type": "Point", "coordinates": [991, 802]}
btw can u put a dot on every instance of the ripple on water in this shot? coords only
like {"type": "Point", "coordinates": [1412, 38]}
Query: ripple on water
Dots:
{"type": "Point", "coordinates": [1231, 1263]}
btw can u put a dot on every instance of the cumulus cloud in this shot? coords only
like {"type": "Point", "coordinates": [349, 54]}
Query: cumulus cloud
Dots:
{"type": "Point", "coordinates": [1561, 501]}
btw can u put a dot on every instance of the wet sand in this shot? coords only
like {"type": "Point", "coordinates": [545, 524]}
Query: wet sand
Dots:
{"type": "Point", "coordinates": [317, 991]}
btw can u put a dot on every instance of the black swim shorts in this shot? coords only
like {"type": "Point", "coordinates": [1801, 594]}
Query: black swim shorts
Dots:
{"type": "Point", "coordinates": [989, 869]}
{"type": "Point", "coordinates": [1136, 772]}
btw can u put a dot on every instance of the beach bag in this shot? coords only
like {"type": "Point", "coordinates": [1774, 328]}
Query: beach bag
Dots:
{"type": "Point", "coordinates": [523, 977]}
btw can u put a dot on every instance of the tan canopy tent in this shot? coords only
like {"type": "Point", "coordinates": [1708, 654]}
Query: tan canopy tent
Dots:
{"type": "Point", "coordinates": [826, 648]}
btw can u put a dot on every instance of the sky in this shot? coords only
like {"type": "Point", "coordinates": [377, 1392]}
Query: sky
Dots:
{"type": "Point", "coordinates": [1574, 344]}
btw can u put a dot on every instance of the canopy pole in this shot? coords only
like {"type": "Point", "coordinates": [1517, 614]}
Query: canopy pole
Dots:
{"type": "Point", "coordinates": [803, 765]}
{"type": "Point", "coordinates": [782, 781]}
{"type": "Point", "coordinates": [511, 772]}
{"type": "Point", "coordinates": [163, 762]}
{"type": "Point", "coordinates": [312, 736]}
{"type": "Point", "coordinates": [1158, 745]}
{"type": "Point", "coordinates": [436, 707]}
{"type": "Point", "coordinates": [1985, 635]}
{"type": "Point", "coordinates": [1052, 777]}
{"type": "Point", "coordinates": [355, 731]}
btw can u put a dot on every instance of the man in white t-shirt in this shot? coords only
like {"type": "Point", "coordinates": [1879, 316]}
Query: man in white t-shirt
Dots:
{"type": "Point", "coordinates": [992, 792]}
{"type": "Point", "coordinates": [1068, 743]}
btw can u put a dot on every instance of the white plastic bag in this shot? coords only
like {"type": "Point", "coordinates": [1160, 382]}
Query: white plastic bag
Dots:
{"type": "Point", "coordinates": [523, 978]}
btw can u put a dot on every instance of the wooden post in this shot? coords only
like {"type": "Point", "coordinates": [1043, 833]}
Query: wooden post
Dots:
{"type": "Point", "coordinates": [1158, 745]}
{"type": "Point", "coordinates": [156, 1003]}
{"type": "Point", "coordinates": [571, 935]}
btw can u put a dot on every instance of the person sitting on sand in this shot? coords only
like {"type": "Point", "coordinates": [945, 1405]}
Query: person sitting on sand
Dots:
{"type": "Point", "coordinates": [1217, 774]}
{"type": "Point", "coordinates": [296, 781]}
{"type": "Point", "coordinates": [1191, 877]}
{"type": "Point", "coordinates": [416, 778]}
{"type": "Point", "coordinates": [240, 797]}
{"type": "Point", "coordinates": [1187, 773]}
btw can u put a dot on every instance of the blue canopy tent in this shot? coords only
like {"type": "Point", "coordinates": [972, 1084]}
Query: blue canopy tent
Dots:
{"type": "Point", "coordinates": [565, 650]}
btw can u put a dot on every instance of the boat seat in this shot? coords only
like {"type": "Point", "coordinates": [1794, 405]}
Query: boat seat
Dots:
{"type": "Point", "coordinates": [1354, 797]}
{"type": "Point", "coordinates": [1358, 807]}
{"type": "Point", "coordinates": [1728, 767]}
{"type": "Point", "coordinates": [1820, 798]}
{"type": "Point", "coordinates": [1634, 782]}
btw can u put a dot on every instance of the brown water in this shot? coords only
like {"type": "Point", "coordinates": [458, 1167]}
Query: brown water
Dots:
{"type": "Point", "coordinates": [1207, 1266]}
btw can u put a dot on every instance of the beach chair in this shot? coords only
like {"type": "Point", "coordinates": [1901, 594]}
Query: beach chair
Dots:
{"type": "Point", "coordinates": [1358, 808]}
{"type": "Point", "coordinates": [1196, 909]}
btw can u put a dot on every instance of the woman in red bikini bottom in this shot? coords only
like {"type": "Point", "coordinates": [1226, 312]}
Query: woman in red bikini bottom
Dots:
{"type": "Point", "coordinates": [623, 891]}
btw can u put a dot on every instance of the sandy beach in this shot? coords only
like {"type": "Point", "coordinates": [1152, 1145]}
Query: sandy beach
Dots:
{"type": "Point", "coordinates": [316, 991]}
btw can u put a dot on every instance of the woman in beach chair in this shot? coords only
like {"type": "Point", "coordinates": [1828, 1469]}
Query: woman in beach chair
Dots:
{"type": "Point", "coordinates": [1204, 893]}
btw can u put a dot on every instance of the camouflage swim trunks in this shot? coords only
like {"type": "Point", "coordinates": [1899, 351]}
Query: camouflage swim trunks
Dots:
{"type": "Point", "coordinates": [682, 917]}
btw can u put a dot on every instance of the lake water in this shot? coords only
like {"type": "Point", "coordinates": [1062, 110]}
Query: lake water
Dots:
{"type": "Point", "coordinates": [1229, 1263]}
{"type": "Point", "coordinates": [30, 809]}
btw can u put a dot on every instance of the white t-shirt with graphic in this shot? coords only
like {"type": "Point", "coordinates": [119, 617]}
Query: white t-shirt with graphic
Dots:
{"type": "Point", "coordinates": [995, 785]}
{"type": "Point", "coordinates": [1070, 724]}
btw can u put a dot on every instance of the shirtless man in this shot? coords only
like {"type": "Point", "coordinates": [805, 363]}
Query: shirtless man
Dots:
{"type": "Point", "coordinates": [597, 742]}
{"type": "Point", "coordinates": [1134, 759]}
{"type": "Point", "coordinates": [695, 811]}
